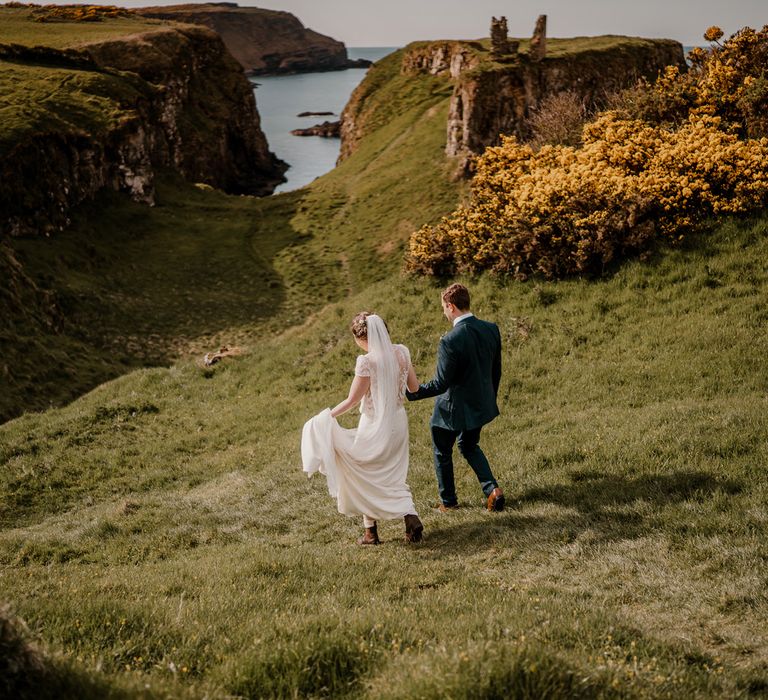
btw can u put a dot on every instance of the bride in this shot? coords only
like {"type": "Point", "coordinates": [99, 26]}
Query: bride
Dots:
{"type": "Point", "coordinates": [366, 467]}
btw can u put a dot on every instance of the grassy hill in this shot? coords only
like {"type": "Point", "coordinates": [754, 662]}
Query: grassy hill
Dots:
{"type": "Point", "coordinates": [143, 285]}
{"type": "Point", "coordinates": [160, 539]}
{"type": "Point", "coordinates": [56, 95]}
{"type": "Point", "coordinates": [16, 28]}
{"type": "Point", "coordinates": [162, 521]}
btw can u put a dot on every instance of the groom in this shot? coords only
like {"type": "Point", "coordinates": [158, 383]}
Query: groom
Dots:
{"type": "Point", "coordinates": [466, 384]}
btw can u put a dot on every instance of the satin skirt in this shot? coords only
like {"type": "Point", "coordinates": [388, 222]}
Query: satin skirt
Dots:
{"type": "Point", "coordinates": [366, 467]}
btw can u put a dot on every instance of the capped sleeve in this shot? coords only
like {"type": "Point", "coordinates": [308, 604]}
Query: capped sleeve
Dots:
{"type": "Point", "coordinates": [362, 366]}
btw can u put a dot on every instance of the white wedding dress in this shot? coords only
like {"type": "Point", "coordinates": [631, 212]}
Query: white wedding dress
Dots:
{"type": "Point", "coordinates": [366, 467]}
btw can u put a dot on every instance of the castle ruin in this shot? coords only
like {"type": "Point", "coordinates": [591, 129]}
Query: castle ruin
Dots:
{"type": "Point", "coordinates": [538, 48]}
{"type": "Point", "coordinates": [502, 49]}
{"type": "Point", "coordinates": [505, 50]}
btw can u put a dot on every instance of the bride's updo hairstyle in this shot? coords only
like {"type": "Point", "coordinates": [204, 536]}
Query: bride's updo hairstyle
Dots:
{"type": "Point", "coordinates": [359, 325]}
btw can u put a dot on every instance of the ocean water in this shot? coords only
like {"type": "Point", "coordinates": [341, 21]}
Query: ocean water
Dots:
{"type": "Point", "coordinates": [281, 98]}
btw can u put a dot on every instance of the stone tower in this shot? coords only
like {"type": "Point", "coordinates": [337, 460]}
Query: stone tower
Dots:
{"type": "Point", "coordinates": [501, 47]}
{"type": "Point", "coordinates": [539, 40]}
{"type": "Point", "coordinates": [499, 41]}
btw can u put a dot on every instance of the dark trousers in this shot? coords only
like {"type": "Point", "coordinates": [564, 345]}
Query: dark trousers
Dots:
{"type": "Point", "coordinates": [442, 443]}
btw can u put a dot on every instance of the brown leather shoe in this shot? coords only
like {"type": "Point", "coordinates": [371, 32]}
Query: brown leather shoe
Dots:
{"type": "Point", "coordinates": [371, 536]}
{"type": "Point", "coordinates": [413, 528]}
{"type": "Point", "coordinates": [496, 500]}
{"type": "Point", "coordinates": [446, 509]}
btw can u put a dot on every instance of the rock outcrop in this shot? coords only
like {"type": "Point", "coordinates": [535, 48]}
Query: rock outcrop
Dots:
{"type": "Point", "coordinates": [326, 129]}
{"type": "Point", "coordinates": [170, 97]}
{"type": "Point", "coordinates": [263, 41]}
{"type": "Point", "coordinates": [497, 85]}
{"type": "Point", "coordinates": [445, 58]}
{"type": "Point", "coordinates": [498, 99]}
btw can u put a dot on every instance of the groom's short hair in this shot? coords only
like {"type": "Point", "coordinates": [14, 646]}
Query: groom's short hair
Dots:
{"type": "Point", "coordinates": [458, 295]}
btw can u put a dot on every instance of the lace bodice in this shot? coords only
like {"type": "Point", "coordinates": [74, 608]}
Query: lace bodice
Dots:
{"type": "Point", "coordinates": [364, 367]}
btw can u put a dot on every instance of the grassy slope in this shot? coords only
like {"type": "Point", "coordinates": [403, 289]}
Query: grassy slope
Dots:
{"type": "Point", "coordinates": [560, 47]}
{"type": "Point", "coordinates": [17, 27]}
{"type": "Point", "coordinates": [160, 528]}
{"type": "Point", "coordinates": [50, 99]}
{"type": "Point", "coordinates": [145, 285]}
{"type": "Point", "coordinates": [164, 518]}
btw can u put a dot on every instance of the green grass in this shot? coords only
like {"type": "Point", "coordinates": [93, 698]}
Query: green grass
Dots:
{"type": "Point", "coordinates": [143, 285]}
{"type": "Point", "coordinates": [559, 47]}
{"type": "Point", "coordinates": [562, 48]}
{"type": "Point", "coordinates": [385, 94]}
{"type": "Point", "coordinates": [160, 539]}
{"type": "Point", "coordinates": [162, 521]}
{"type": "Point", "coordinates": [37, 99]}
{"type": "Point", "coordinates": [18, 27]}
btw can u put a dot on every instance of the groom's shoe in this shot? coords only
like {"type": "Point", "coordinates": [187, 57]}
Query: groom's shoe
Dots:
{"type": "Point", "coordinates": [413, 528]}
{"type": "Point", "coordinates": [371, 536]}
{"type": "Point", "coordinates": [496, 500]}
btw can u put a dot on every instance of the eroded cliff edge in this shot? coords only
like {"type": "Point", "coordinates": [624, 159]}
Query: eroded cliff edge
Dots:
{"type": "Point", "coordinates": [110, 113]}
{"type": "Point", "coordinates": [263, 41]}
{"type": "Point", "coordinates": [490, 98]}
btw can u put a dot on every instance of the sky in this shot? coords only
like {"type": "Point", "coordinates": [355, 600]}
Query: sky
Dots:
{"type": "Point", "coordinates": [396, 22]}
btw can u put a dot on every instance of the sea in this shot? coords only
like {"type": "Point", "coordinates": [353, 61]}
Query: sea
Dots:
{"type": "Point", "coordinates": [281, 98]}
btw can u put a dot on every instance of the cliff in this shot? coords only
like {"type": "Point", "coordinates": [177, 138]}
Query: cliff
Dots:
{"type": "Point", "coordinates": [391, 89]}
{"type": "Point", "coordinates": [263, 41]}
{"type": "Point", "coordinates": [489, 98]}
{"type": "Point", "coordinates": [109, 113]}
{"type": "Point", "coordinates": [495, 98]}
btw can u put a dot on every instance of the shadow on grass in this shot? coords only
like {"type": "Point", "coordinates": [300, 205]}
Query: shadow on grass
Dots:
{"type": "Point", "coordinates": [602, 505]}
{"type": "Point", "coordinates": [26, 673]}
{"type": "Point", "coordinates": [593, 493]}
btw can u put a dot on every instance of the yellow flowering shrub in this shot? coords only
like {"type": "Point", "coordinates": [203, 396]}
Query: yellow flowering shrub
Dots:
{"type": "Point", "coordinates": [731, 78]}
{"type": "Point", "coordinates": [565, 210]}
{"type": "Point", "coordinates": [78, 13]}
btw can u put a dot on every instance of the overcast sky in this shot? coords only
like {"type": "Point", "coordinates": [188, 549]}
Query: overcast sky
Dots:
{"type": "Point", "coordinates": [396, 22]}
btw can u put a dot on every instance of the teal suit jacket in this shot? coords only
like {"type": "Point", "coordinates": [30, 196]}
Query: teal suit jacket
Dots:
{"type": "Point", "coordinates": [467, 377]}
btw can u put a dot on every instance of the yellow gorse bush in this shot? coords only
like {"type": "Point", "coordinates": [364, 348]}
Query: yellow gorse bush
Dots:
{"type": "Point", "coordinates": [77, 13]}
{"type": "Point", "coordinates": [565, 210]}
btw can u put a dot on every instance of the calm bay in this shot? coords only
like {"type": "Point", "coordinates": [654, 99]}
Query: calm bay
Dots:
{"type": "Point", "coordinates": [280, 99]}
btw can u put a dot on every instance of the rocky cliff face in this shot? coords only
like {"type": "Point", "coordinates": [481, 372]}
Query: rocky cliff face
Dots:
{"type": "Point", "coordinates": [499, 99]}
{"type": "Point", "coordinates": [490, 98]}
{"type": "Point", "coordinates": [447, 58]}
{"type": "Point", "coordinates": [210, 125]}
{"type": "Point", "coordinates": [171, 97]}
{"type": "Point", "coordinates": [263, 41]}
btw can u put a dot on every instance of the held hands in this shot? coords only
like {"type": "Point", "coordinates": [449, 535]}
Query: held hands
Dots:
{"type": "Point", "coordinates": [413, 395]}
